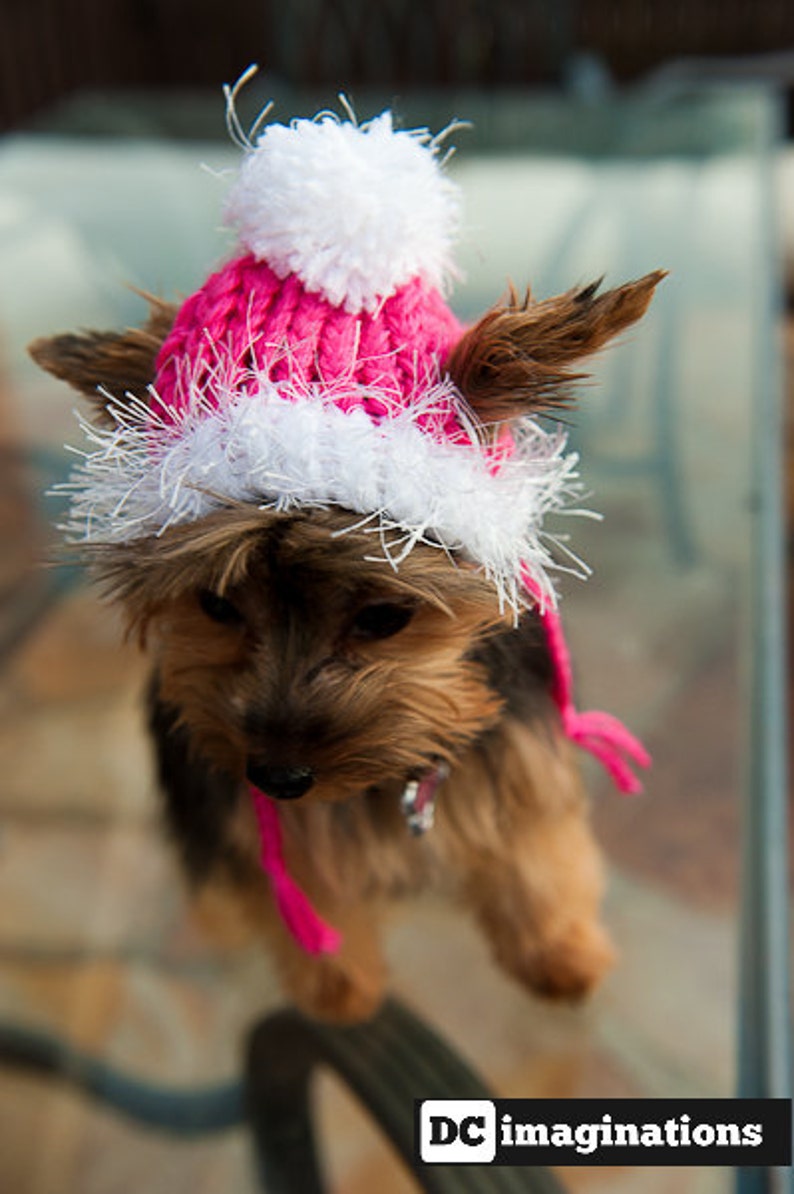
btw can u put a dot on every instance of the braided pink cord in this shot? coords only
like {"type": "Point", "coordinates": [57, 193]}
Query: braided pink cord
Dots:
{"type": "Point", "coordinates": [602, 735]}
{"type": "Point", "coordinates": [308, 929]}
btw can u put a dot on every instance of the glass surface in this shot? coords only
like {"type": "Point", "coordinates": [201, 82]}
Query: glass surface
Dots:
{"type": "Point", "coordinates": [96, 937]}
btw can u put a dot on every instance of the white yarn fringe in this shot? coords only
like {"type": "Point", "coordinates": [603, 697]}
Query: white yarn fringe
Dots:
{"type": "Point", "coordinates": [290, 447]}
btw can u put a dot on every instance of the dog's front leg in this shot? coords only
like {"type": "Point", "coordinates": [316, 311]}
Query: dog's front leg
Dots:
{"type": "Point", "coordinates": [534, 874]}
{"type": "Point", "coordinates": [346, 986]}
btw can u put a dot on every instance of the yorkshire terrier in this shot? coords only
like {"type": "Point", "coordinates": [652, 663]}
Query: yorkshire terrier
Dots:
{"type": "Point", "coordinates": [346, 687]}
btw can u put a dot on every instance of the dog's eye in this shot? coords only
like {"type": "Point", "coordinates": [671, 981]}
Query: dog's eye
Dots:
{"type": "Point", "coordinates": [219, 609]}
{"type": "Point", "coordinates": [381, 620]}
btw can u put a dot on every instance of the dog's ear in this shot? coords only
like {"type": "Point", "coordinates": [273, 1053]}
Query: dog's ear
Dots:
{"type": "Point", "coordinates": [517, 360]}
{"type": "Point", "coordinates": [118, 363]}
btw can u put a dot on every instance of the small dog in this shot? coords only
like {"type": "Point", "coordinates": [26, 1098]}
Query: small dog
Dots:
{"type": "Point", "coordinates": [350, 688]}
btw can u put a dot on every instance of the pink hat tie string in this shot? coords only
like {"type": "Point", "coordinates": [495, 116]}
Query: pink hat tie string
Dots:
{"type": "Point", "coordinates": [602, 735]}
{"type": "Point", "coordinates": [307, 928]}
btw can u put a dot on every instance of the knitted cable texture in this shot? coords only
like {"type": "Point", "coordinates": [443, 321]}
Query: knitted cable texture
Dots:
{"type": "Point", "coordinates": [245, 322]}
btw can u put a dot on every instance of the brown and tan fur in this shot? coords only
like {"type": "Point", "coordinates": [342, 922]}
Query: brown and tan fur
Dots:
{"type": "Point", "coordinates": [282, 666]}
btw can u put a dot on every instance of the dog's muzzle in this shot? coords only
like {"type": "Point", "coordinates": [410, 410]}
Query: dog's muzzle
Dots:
{"type": "Point", "coordinates": [282, 783]}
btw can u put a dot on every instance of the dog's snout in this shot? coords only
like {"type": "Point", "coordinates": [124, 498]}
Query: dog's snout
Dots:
{"type": "Point", "coordinates": [282, 783]}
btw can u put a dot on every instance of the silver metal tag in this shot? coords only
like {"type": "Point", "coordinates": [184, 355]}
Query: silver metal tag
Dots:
{"type": "Point", "coordinates": [418, 801]}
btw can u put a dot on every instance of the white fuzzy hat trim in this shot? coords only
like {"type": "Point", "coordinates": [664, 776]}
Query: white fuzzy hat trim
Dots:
{"type": "Point", "coordinates": [284, 450]}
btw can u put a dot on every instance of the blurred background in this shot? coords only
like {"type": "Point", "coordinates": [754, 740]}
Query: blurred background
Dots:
{"type": "Point", "coordinates": [608, 137]}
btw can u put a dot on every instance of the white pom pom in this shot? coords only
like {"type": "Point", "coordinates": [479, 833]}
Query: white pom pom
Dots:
{"type": "Point", "coordinates": [356, 211]}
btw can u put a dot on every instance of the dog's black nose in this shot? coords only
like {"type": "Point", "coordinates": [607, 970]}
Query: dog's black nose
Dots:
{"type": "Point", "coordinates": [283, 783]}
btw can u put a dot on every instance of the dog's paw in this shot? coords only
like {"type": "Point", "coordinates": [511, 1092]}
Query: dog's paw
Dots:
{"type": "Point", "coordinates": [568, 967]}
{"type": "Point", "coordinates": [329, 990]}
